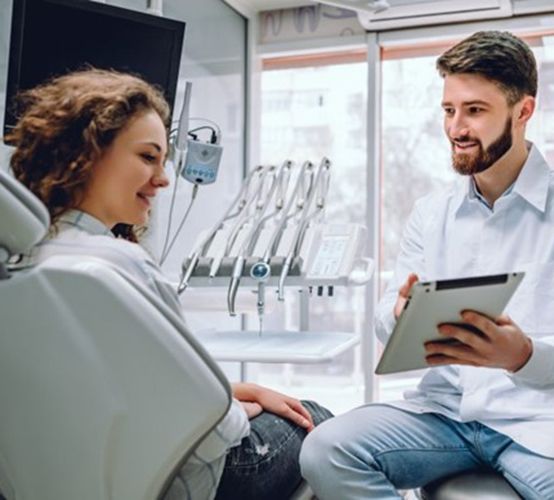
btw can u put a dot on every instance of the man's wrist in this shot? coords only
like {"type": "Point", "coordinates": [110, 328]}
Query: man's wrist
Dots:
{"type": "Point", "coordinates": [526, 354]}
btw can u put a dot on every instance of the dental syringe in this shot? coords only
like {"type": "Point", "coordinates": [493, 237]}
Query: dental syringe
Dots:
{"type": "Point", "coordinates": [260, 272]}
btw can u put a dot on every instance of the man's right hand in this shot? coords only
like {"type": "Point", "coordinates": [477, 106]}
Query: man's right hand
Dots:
{"type": "Point", "coordinates": [403, 294]}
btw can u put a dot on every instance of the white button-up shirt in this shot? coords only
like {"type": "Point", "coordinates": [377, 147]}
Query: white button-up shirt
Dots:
{"type": "Point", "coordinates": [456, 234]}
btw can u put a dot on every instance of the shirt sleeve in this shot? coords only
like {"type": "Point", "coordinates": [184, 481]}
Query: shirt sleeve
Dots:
{"type": "Point", "coordinates": [410, 260]}
{"type": "Point", "coordinates": [538, 372]}
{"type": "Point", "coordinates": [230, 431]}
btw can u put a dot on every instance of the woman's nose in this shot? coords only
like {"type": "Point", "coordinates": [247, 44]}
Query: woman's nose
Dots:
{"type": "Point", "coordinates": [160, 178]}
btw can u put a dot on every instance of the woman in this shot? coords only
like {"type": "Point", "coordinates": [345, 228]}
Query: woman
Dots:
{"type": "Point", "coordinates": [92, 146]}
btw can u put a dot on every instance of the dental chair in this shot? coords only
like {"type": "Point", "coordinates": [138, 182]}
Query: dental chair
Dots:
{"type": "Point", "coordinates": [103, 392]}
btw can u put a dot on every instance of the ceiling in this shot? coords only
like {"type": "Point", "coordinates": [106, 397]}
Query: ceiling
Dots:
{"type": "Point", "coordinates": [260, 5]}
{"type": "Point", "coordinates": [254, 6]}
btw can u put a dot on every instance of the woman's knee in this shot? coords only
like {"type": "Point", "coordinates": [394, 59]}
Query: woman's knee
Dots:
{"type": "Point", "coordinates": [319, 413]}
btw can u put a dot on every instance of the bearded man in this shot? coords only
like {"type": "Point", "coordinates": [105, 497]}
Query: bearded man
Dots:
{"type": "Point", "coordinates": [487, 400]}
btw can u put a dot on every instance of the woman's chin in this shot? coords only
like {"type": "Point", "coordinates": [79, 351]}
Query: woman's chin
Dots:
{"type": "Point", "coordinates": [141, 221]}
{"type": "Point", "coordinates": [136, 220]}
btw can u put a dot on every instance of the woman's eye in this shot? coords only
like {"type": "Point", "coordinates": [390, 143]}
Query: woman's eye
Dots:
{"type": "Point", "coordinates": [148, 157]}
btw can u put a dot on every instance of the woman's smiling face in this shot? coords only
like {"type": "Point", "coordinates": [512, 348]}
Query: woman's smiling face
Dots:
{"type": "Point", "coordinates": [126, 178]}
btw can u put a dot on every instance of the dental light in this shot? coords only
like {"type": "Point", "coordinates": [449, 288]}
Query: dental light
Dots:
{"type": "Point", "coordinates": [194, 160]}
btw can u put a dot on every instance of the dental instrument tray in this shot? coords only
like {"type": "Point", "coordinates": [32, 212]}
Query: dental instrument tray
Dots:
{"type": "Point", "coordinates": [279, 222]}
{"type": "Point", "coordinates": [330, 255]}
{"type": "Point", "coordinates": [273, 236]}
{"type": "Point", "coordinates": [438, 302]}
{"type": "Point", "coordinates": [276, 346]}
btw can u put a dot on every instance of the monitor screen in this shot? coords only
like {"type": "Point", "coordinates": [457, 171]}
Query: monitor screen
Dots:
{"type": "Point", "coordinates": [52, 37]}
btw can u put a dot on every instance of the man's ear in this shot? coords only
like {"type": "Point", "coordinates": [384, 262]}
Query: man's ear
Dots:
{"type": "Point", "coordinates": [525, 109]}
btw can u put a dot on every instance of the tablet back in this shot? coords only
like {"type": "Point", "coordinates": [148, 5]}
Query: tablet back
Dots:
{"type": "Point", "coordinates": [436, 302]}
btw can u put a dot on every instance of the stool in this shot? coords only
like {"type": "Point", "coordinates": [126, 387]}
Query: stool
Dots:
{"type": "Point", "coordinates": [475, 484]}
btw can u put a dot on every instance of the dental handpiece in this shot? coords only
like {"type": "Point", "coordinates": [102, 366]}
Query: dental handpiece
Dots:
{"type": "Point", "coordinates": [321, 176]}
{"type": "Point", "coordinates": [188, 273]}
{"type": "Point", "coordinates": [238, 204]}
{"type": "Point", "coordinates": [234, 284]}
{"type": "Point", "coordinates": [262, 203]}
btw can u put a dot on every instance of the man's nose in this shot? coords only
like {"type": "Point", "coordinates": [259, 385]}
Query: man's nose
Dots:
{"type": "Point", "coordinates": [457, 127]}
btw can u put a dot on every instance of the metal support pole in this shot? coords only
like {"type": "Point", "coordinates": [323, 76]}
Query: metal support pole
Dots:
{"type": "Point", "coordinates": [304, 309]}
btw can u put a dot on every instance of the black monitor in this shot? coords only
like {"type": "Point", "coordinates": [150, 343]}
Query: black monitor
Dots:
{"type": "Point", "coordinates": [52, 37]}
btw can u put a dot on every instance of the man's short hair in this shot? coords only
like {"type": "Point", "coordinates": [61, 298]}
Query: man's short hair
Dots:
{"type": "Point", "coordinates": [497, 56]}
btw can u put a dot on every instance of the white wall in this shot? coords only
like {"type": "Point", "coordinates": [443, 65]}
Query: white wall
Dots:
{"type": "Point", "coordinates": [214, 59]}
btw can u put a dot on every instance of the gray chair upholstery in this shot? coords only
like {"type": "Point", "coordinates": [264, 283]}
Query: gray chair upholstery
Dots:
{"type": "Point", "coordinates": [474, 485]}
{"type": "Point", "coordinates": [104, 391]}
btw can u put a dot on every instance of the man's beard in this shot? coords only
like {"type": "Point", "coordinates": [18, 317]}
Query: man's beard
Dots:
{"type": "Point", "coordinates": [467, 164]}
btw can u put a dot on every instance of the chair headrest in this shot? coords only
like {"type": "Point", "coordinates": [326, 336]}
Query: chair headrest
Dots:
{"type": "Point", "coordinates": [24, 219]}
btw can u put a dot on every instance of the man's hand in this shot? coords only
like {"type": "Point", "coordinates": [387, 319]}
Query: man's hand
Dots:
{"type": "Point", "coordinates": [273, 402]}
{"type": "Point", "coordinates": [501, 345]}
{"type": "Point", "coordinates": [403, 294]}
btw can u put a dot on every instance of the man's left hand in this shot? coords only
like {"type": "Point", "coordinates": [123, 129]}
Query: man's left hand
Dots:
{"type": "Point", "coordinates": [501, 344]}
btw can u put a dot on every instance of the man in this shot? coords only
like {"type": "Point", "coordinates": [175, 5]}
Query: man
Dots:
{"type": "Point", "coordinates": [488, 401]}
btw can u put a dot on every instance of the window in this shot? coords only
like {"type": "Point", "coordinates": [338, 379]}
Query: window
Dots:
{"type": "Point", "coordinates": [415, 161]}
{"type": "Point", "coordinates": [309, 112]}
{"type": "Point", "coordinates": [541, 126]}
{"type": "Point", "coordinates": [412, 117]}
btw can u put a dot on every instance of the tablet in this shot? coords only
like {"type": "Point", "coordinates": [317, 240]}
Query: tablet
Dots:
{"type": "Point", "coordinates": [432, 303]}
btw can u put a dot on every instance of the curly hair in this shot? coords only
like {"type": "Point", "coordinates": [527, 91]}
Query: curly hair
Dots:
{"type": "Point", "coordinates": [497, 56]}
{"type": "Point", "coordinates": [66, 124]}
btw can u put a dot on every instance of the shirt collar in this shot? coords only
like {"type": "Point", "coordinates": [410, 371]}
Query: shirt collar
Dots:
{"type": "Point", "coordinates": [533, 181]}
{"type": "Point", "coordinates": [531, 184]}
{"type": "Point", "coordinates": [474, 194]}
{"type": "Point", "coordinates": [85, 222]}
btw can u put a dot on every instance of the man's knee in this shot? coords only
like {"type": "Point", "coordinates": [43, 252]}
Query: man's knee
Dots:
{"type": "Point", "coordinates": [317, 448]}
{"type": "Point", "coordinates": [351, 440]}
{"type": "Point", "coordinates": [327, 449]}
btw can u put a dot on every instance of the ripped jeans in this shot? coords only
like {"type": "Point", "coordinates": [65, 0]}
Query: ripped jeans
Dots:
{"type": "Point", "coordinates": [265, 464]}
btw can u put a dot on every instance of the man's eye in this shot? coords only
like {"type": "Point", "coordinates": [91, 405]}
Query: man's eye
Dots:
{"type": "Point", "coordinates": [474, 109]}
{"type": "Point", "coordinates": [448, 111]}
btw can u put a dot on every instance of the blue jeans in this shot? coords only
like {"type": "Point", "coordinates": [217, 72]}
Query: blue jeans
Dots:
{"type": "Point", "coordinates": [265, 465]}
{"type": "Point", "coordinates": [374, 450]}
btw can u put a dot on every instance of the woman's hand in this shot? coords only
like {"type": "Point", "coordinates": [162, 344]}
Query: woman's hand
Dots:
{"type": "Point", "coordinates": [274, 402]}
{"type": "Point", "coordinates": [252, 409]}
